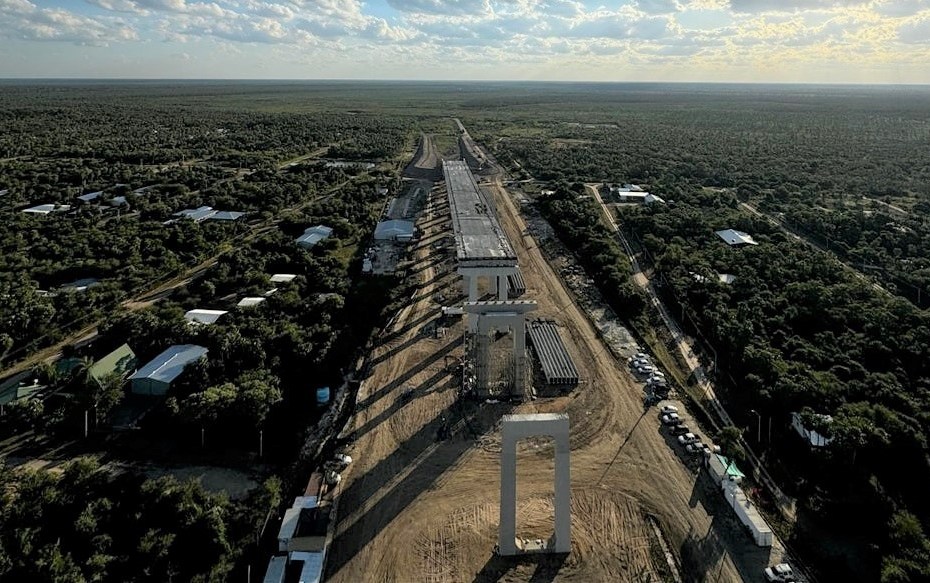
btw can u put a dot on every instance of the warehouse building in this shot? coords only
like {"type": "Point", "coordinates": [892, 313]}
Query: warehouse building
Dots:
{"type": "Point", "coordinates": [394, 230]}
{"type": "Point", "coordinates": [155, 378]}
{"type": "Point", "coordinates": [120, 362]}
{"type": "Point", "coordinates": [735, 238]}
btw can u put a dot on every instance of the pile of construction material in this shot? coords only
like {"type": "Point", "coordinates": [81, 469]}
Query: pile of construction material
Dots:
{"type": "Point", "coordinates": [557, 365]}
{"type": "Point", "coordinates": [515, 285]}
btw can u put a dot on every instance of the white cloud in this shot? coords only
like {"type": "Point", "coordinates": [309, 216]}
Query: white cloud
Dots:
{"type": "Point", "coordinates": [24, 20]}
{"type": "Point", "coordinates": [791, 5]}
{"type": "Point", "coordinates": [915, 30]}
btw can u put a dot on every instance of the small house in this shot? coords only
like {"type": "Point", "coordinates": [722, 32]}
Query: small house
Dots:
{"type": "Point", "coordinates": [156, 376]}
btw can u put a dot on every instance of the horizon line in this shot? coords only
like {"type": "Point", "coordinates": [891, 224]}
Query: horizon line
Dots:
{"type": "Point", "coordinates": [475, 81]}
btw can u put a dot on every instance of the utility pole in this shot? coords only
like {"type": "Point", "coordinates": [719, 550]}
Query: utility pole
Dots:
{"type": "Point", "coordinates": [758, 425]}
{"type": "Point", "coordinates": [201, 436]}
{"type": "Point", "coordinates": [85, 424]}
{"type": "Point", "coordinates": [261, 442]}
{"type": "Point", "coordinates": [770, 429]}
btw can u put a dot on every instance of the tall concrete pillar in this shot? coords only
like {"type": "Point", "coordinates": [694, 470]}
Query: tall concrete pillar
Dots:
{"type": "Point", "coordinates": [472, 288]}
{"type": "Point", "coordinates": [514, 428]}
{"type": "Point", "coordinates": [502, 287]}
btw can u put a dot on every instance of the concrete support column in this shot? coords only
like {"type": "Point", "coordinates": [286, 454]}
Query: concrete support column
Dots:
{"type": "Point", "coordinates": [563, 503]}
{"type": "Point", "coordinates": [502, 287]}
{"type": "Point", "coordinates": [514, 428]}
{"type": "Point", "coordinates": [472, 288]}
{"type": "Point", "coordinates": [507, 536]}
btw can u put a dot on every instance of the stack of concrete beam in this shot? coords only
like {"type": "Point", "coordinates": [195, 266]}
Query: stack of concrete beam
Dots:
{"type": "Point", "coordinates": [515, 285]}
{"type": "Point", "coordinates": [557, 364]}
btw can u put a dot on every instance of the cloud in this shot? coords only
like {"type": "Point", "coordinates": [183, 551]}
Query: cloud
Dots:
{"type": "Point", "coordinates": [442, 7]}
{"type": "Point", "coordinates": [915, 30]}
{"type": "Point", "coordinates": [657, 6]}
{"type": "Point", "coordinates": [898, 8]}
{"type": "Point", "coordinates": [24, 20]}
{"type": "Point", "coordinates": [791, 5]}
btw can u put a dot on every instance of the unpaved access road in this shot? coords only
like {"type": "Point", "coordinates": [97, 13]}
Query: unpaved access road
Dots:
{"type": "Point", "coordinates": [419, 508]}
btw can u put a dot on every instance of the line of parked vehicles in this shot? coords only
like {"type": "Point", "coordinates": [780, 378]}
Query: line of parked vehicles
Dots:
{"type": "Point", "coordinates": [691, 442]}
{"type": "Point", "coordinates": [657, 387]}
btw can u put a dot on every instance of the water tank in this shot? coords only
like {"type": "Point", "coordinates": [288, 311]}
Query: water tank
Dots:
{"type": "Point", "coordinates": [322, 395]}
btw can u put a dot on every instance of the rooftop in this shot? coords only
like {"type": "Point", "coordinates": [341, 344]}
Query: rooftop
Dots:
{"type": "Point", "coordinates": [249, 302]}
{"type": "Point", "coordinates": [44, 209]}
{"type": "Point", "coordinates": [207, 213]}
{"type": "Point", "coordinates": [734, 237]}
{"type": "Point", "coordinates": [121, 361]}
{"type": "Point", "coordinates": [479, 237]}
{"type": "Point", "coordinates": [313, 235]}
{"type": "Point", "coordinates": [282, 277]}
{"type": "Point", "coordinates": [204, 316]}
{"type": "Point", "coordinates": [394, 228]}
{"type": "Point", "coordinates": [168, 365]}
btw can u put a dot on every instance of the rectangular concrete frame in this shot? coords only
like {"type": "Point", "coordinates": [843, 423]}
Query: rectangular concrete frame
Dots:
{"type": "Point", "coordinates": [515, 428]}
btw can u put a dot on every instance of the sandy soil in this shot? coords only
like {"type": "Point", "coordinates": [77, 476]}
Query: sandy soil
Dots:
{"type": "Point", "coordinates": [417, 508]}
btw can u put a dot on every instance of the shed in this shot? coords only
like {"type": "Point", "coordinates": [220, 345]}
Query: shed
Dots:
{"type": "Point", "coordinates": [394, 230]}
{"type": "Point", "coordinates": [204, 316]}
{"type": "Point", "coordinates": [90, 196]}
{"type": "Point", "coordinates": [249, 302]}
{"type": "Point", "coordinates": [313, 235]}
{"type": "Point", "coordinates": [155, 377]}
{"type": "Point", "coordinates": [735, 238]}
{"type": "Point", "coordinates": [282, 277]}
{"type": "Point", "coordinates": [44, 209]}
{"type": "Point", "coordinates": [653, 199]}
{"type": "Point", "coordinates": [80, 285]}
{"type": "Point", "coordinates": [197, 214]}
{"type": "Point", "coordinates": [121, 362]}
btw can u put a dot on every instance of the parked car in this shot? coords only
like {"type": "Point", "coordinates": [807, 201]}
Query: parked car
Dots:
{"type": "Point", "coordinates": [696, 448]}
{"type": "Point", "coordinates": [653, 381]}
{"type": "Point", "coordinates": [640, 356]}
{"type": "Point", "coordinates": [688, 438]}
{"type": "Point", "coordinates": [781, 572]}
{"type": "Point", "coordinates": [679, 430]}
{"type": "Point", "coordinates": [659, 374]}
{"type": "Point", "coordinates": [645, 369]}
{"type": "Point", "coordinates": [669, 409]}
{"type": "Point", "coordinates": [639, 362]}
{"type": "Point", "coordinates": [671, 419]}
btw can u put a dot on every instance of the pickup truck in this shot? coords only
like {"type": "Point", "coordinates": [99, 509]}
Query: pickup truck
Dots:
{"type": "Point", "coordinates": [671, 419]}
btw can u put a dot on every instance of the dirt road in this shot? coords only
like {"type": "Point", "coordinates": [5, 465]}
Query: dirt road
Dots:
{"type": "Point", "coordinates": [418, 508]}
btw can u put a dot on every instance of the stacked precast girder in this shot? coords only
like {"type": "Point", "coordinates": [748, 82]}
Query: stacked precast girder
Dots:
{"type": "Point", "coordinates": [557, 365]}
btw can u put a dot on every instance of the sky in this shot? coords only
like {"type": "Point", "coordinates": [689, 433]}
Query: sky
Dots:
{"type": "Point", "coordinates": [806, 41]}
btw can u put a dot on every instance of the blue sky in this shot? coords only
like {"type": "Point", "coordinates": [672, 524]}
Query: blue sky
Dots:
{"type": "Point", "coordinates": [856, 41]}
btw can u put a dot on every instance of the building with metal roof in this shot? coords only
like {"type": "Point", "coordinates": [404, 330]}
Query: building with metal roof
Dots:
{"type": "Point", "coordinates": [156, 376]}
{"type": "Point", "coordinates": [735, 238]}
{"type": "Point", "coordinates": [249, 302]}
{"type": "Point", "coordinates": [44, 209]}
{"type": "Point", "coordinates": [313, 235]}
{"type": "Point", "coordinates": [204, 316]}
{"type": "Point", "coordinates": [282, 277]}
{"type": "Point", "coordinates": [394, 230]}
{"type": "Point", "coordinates": [90, 196]}
{"type": "Point", "coordinates": [207, 213]}
{"type": "Point", "coordinates": [121, 361]}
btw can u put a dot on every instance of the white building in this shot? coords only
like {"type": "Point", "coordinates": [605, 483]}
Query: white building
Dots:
{"type": "Point", "coordinates": [44, 209]}
{"type": "Point", "coordinates": [204, 316]}
{"type": "Point", "coordinates": [207, 213]}
{"type": "Point", "coordinates": [249, 302]}
{"type": "Point", "coordinates": [282, 277]}
{"type": "Point", "coordinates": [735, 238]}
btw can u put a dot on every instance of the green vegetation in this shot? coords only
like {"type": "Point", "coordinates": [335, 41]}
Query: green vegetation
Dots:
{"type": "Point", "coordinates": [86, 525]}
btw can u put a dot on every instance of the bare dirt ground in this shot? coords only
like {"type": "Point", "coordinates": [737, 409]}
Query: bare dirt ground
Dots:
{"type": "Point", "coordinates": [419, 508]}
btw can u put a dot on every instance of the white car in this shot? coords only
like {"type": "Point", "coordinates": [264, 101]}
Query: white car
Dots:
{"type": "Point", "coordinates": [659, 374]}
{"type": "Point", "coordinates": [668, 409]}
{"type": "Point", "coordinates": [781, 572]}
{"type": "Point", "coordinates": [688, 438]}
{"type": "Point", "coordinates": [671, 419]}
{"type": "Point", "coordinates": [645, 369]}
{"type": "Point", "coordinates": [640, 356]}
{"type": "Point", "coordinates": [654, 380]}
{"type": "Point", "coordinates": [639, 362]}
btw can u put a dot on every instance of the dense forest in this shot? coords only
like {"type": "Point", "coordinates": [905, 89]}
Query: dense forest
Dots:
{"type": "Point", "coordinates": [84, 525]}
